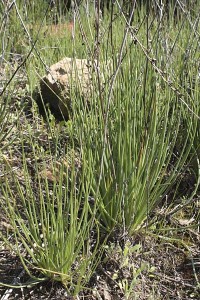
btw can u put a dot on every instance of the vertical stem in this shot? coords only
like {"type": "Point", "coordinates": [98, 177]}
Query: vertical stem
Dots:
{"type": "Point", "coordinates": [146, 117]}
{"type": "Point", "coordinates": [97, 51]}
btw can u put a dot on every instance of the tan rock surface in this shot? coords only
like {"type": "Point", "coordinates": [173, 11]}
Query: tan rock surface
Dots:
{"type": "Point", "coordinates": [63, 77]}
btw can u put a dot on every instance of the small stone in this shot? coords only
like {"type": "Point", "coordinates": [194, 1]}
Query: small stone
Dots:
{"type": "Point", "coordinates": [61, 78]}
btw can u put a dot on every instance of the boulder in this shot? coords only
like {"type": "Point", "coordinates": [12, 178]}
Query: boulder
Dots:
{"type": "Point", "coordinates": [63, 79]}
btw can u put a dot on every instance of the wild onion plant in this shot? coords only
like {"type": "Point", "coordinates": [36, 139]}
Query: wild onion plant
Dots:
{"type": "Point", "coordinates": [133, 137]}
{"type": "Point", "coordinates": [134, 160]}
{"type": "Point", "coordinates": [51, 222]}
{"type": "Point", "coordinates": [133, 130]}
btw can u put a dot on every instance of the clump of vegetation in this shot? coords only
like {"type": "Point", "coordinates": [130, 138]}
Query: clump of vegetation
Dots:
{"type": "Point", "coordinates": [80, 198]}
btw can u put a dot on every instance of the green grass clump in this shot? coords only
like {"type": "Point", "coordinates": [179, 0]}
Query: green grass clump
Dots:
{"type": "Point", "coordinates": [52, 223]}
{"type": "Point", "coordinates": [133, 153]}
{"type": "Point", "coordinates": [126, 151]}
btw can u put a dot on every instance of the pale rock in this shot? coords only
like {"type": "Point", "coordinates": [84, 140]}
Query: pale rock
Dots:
{"type": "Point", "coordinates": [63, 77]}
